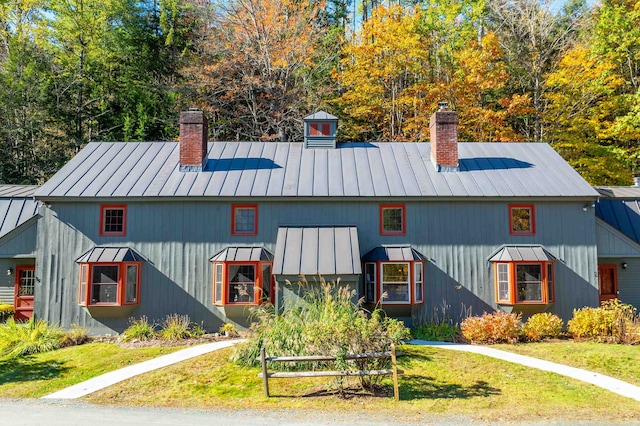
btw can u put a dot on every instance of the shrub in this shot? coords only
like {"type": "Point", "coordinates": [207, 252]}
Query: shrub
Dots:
{"type": "Point", "coordinates": [497, 327]}
{"type": "Point", "coordinates": [542, 326]}
{"type": "Point", "coordinates": [228, 329]}
{"type": "Point", "coordinates": [175, 327]}
{"type": "Point", "coordinates": [35, 336]}
{"type": "Point", "coordinates": [613, 322]}
{"type": "Point", "coordinates": [139, 329]}
{"type": "Point", "coordinates": [326, 323]}
{"type": "Point", "coordinates": [6, 312]}
{"type": "Point", "coordinates": [74, 336]}
{"type": "Point", "coordinates": [197, 330]}
{"type": "Point", "coordinates": [436, 332]}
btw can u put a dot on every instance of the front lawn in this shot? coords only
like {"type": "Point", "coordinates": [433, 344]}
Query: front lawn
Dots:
{"type": "Point", "coordinates": [41, 374]}
{"type": "Point", "coordinates": [436, 381]}
{"type": "Point", "coordinates": [619, 361]}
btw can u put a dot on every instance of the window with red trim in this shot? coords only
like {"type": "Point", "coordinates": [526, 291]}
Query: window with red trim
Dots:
{"type": "Point", "coordinates": [244, 219]}
{"type": "Point", "coordinates": [524, 283]}
{"type": "Point", "coordinates": [393, 219]}
{"type": "Point", "coordinates": [522, 219]}
{"type": "Point", "coordinates": [113, 220]}
{"type": "Point", "coordinates": [242, 283]}
{"type": "Point", "coordinates": [319, 129]}
{"type": "Point", "coordinates": [400, 283]}
{"type": "Point", "coordinates": [109, 284]}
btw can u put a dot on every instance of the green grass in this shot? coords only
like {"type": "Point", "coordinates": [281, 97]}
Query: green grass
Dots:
{"type": "Point", "coordinates": [436, 381]}
{"type": "Point", "coordinates": [40, 374]}
{"type": "Point", "coordinates": [619, 361]}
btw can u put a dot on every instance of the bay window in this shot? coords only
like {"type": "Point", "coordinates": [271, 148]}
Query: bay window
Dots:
{"type": "Point", "coordinates": [110, 284]}
{"type": "Point", "coordinates": [400, 283]}
{"type": "Point", "coordinates": [524, 283]}
{"type": "Point", "coordinates": [241, 283]}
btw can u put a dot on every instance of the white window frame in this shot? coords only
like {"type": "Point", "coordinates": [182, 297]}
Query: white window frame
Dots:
{"type": "Point", "coordinates": [407, 283]}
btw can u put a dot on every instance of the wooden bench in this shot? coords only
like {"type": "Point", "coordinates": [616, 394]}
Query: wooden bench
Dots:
{"type": "Point", "coordinates": [265, 375]}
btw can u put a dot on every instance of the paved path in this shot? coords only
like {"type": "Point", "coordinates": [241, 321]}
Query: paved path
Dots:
{"type": "Point", "coordinates": [108, 379]}
{"type": "Point", "coordinates": [605, 382]}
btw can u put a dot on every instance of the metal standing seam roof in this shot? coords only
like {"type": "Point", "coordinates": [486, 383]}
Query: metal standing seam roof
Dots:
{"type": "Point", "coordinates": [320, 115]}
{"type": "Point", "coordinates": [317, 250]}
{"type": "Point", "coordinates": [282, 169]}
{"type": "Point", "coordinates": [622, 214]}
{"type": "Point", "coordinates": [110, 255]}
{"type": "Point", "coordinates": [16, 206]}
{"type": "Point", "coordinates": [522, 253]}
{"type": "Point", "coordinates": [253, 254]}
{"type": "Point", "coordinates": [393, 253]}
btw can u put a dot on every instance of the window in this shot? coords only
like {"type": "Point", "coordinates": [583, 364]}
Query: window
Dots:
{"type": "Point", "coordinates": [370, 282]}
{"type": "Point", "coordinates": [114, 284]}
{"type": "Point", "coordinates": [522, 219]}
{"type": "Point", "coordinates": [244, 220]}
{"type": "Point", "coordinates": [399, 283]}
{"type": "Point", "coordinates": [524, 283]}
{"type": "Point", "coordinates": [113, 220]}
{"type": "Point", "coordinates": [241, 283]}
{"type": "Point", "coordinates": [392, 219]}
{"type": "Point", "coordinates": [319, 129]}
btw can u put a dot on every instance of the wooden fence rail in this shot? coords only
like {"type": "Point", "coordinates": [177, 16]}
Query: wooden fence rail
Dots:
{"type": "Point", "coordinates": [265, 375]}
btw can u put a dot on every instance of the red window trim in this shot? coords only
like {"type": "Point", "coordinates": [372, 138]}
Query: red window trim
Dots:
{"type": "Point", "coordinates": [412, 282]}
{"type": "Point", "coordinates": [532, 219]}
{"type": "Point", "coordinates": [512, 283]}
{"type": "Point", "coordinates": [233, 219]}
{"type": "Point", "coordinates": [257, 290]}
{"type": "Point", "coordinates": [104, 207]}
{"type": "Point", "coordinates": [121, 284]}
{"type": "Point", "coordinates": [384, 207]}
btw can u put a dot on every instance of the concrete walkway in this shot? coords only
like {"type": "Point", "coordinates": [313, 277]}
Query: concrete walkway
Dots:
{"type": "Point", "coordinates": [108, 379]}
{"type": "Point", "coordinates": [605, 382]}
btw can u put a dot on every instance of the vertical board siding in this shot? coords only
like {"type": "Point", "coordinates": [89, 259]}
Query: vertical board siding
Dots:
{"type": "Point", "coordinates": [628, 279]}
{"type": "Point", "coordinates": [179, 238]}
{"type": "Point", "coordinates": [20, 242]}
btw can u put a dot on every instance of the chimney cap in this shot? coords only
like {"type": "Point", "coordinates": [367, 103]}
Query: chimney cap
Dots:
{"type": "Point", "coordinates": [442, 106]}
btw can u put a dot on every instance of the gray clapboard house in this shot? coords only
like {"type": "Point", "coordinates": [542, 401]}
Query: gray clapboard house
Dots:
{"type": "Point", "coordinates": [18, 224]}
{"type": "Point", "coordinates": [618, 238]}
{"type": "Point", "coordinates": [213, 229]}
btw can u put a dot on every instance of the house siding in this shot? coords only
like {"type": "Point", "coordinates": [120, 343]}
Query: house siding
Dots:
{"type": "Point", "coordinates": [7, 282]}
{"type": "Point", "coordinates": [178, 237]}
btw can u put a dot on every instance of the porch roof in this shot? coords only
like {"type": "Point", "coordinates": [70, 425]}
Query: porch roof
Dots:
{"type": "Point", "coordinates": [243, 253]}
{"type": "Point", "coordinates": [110, 255]}
{"type": "Point", "coordinates": [522, 253]}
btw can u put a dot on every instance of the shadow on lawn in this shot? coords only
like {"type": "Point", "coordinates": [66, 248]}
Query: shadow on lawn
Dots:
{"type": "Point", "coordinates": [27, 370]}
{"type": "Point", "coordinates": [420, 387]}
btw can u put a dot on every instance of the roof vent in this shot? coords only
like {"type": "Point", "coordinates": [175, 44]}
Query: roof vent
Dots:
{"type": "Point", "coordinates": [320, 130]}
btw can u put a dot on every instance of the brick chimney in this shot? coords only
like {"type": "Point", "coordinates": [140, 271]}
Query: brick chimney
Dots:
{"type": "Point", "coordinates": [193, 140]}
{"type": "Point", "coordinates": [444, 139]}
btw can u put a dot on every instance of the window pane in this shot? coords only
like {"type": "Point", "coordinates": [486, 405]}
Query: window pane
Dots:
{"type": "Point", "coordinates": [245, 220]}
{"type": "Point", "coordinates": [370, 282]}
{"type": "Point", "coordinates": [113, 220]}
{"type": "Point", "coordinates": [131, 295]}
{"type": "Point", "coordinates": [83, 284]}
{"type": "Point", "coordinates": [550, 282]}
{"type": "Point", "coordinates": [104, 288]}
{"type": "Point", "coordinates": [241, 283]}
{"type": "Point", "coordinates": [418, 282]}
{"type": "Point", "coordinates": [529, 283]}
{"type": "Point", "coordinates": [266, 282]}
{"type": "Point", "coordinates": [503, 283]}
{"type": "Point", "coordinates": [521, 219]}
{"type": "Point", "coordinates": [218, 283]}
{"type": "Point", "coordinates": [392, 219]}
{"type": "Point", "coordinates": [27, 282]}
{"type": "Point", "coordinates": [395, 281]}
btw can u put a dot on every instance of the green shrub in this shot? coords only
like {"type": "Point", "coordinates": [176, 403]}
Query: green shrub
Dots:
{"type": "Point", "coordinates": [139, 329]}
{"type": "Point", "coordinates": [33, 337]}
{"type": "Point", "coordinates": [542, 326]}
{"type": "Point", "coordinates": [175, 327]}
{"type": "Point", "coordinates": [497, 327]}
{"type": "Point", "coordinates": [436, 332]}
{"type": "Point", "coordinates": [75, 336]}
{"type": "Point", "coordinates": [197, 330]}
{"type": "Point", "coordinates": [326, 323]}
{"type": "Point", "coordinates": [6, 312]}
{"type": "Point", "coordinates": [613, 322]}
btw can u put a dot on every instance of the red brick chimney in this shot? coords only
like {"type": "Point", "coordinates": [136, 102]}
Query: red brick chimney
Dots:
{"type": "Point", "coordinates": [444, 139]}
{"type": "Point", "coordinates": [193, 140]}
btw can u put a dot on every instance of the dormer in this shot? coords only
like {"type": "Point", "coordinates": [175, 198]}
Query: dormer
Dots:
{"type": "Point", "coordinates": [320, 130]}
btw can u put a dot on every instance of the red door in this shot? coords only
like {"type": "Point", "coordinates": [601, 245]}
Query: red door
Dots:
{"type": "Point", "coordinates": [25, 285]}
{"type": "Point", "coordinates": [607, 282]}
